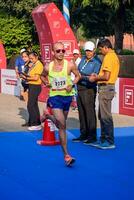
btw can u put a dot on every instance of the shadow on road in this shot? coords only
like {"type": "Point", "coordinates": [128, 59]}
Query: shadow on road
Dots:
{"type": "Point", "coordinates": [23, 113]}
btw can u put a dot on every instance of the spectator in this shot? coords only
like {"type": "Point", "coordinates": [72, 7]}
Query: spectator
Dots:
{"type": "Point", "coordinates": [19, 66]}
{"type": "Point", "coordinates": [27, 63]}
{"type": "Point", "coordinates": [89, 64]}
{"type": "Point", "coordinates": [34, 81]}
{"type": "Point", "coordinates": [106, 89]}
{"type": "Point", "coordinates": [77, 56]}
{"type": "Point", "coordinates": [11, 61]}
{"type": "Point", "coordinates": [76, 59]}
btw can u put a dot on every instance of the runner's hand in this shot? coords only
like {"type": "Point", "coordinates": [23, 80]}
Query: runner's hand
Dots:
{"type": "Point", "coordinates": [69, 88]}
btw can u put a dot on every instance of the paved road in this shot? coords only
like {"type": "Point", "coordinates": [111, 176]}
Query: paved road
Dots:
{"type": "Point", "coordinates": [13, 113]}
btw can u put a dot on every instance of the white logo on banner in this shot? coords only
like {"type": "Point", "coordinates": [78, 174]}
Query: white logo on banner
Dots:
{"type": "Point", "coordinates": [128, 100]}
{"type": "Point", "coordinates": [46, 52]}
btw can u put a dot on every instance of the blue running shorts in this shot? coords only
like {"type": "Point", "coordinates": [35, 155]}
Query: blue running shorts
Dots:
{"type": "Point", "coordinates": [60, 102]}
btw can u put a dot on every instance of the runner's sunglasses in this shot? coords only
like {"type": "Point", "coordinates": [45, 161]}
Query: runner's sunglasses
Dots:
{"type": "Point", "coordinates": [60, 51]}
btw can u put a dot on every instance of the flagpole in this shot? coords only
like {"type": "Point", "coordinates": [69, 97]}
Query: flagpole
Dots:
{"type": "Point", "coordinates": [66, 11]}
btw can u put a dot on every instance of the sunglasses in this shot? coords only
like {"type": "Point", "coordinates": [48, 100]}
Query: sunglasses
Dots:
{"type": "Point", "coordinates": [60, 51]}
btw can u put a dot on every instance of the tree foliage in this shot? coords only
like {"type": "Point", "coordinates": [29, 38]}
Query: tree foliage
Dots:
{"type": "Point", "coordinates": [129, 21]}
{"type": "Point", "coordinates": [117, 16]}
{"type": "Point", "coordinates": [15, 33]}
{"type": "Point", "coordinates": [112, 3]}
{"type": "Point", "coordinates": [17, 26]}
{"type": "Point", "coordinates": [96, 18]}
{"type": "Point", "coordinates": [22, 8]}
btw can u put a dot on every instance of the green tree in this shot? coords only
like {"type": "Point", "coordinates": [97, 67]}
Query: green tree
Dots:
{"type": "Point", "coordinates": [96, 17]}
{"type": "Point", "coordinates": [94, 21]}
{"type": "Point", "coordinates": [129, 21]}
{"type": "Point", "coordinates": [23, 8]}
{"type": "Point", "coordinates": [17, 27]}
{"type": "Point", "coordinates": [119, 7]}
{"type": "Point", "coordinates": [15, 33]}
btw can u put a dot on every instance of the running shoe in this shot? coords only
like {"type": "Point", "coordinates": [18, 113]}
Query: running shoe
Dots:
{"type": "Point", "coordinates": [69, 160]}
{"type": "Point", "coordinates": [106, 145]}
{"type": "Point", "coordinates": [95, 144]}
{"type": "Point", "coordinates": [89, 142]}
{"type": "Point", "coordinates": [35, 128]}
{"type": "Point", "coordinates": [80, 139]}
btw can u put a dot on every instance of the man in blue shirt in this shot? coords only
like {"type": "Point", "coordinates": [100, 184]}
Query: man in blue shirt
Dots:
{"type": "Point", "coordinates": [19, 63]}
{"type": "Point", "coordinates": [89, 64]}
{"type": "Point", "coordinates": [19, 66]}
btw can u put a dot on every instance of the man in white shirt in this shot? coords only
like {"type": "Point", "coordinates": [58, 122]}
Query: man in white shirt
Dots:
{"type": "Point", "coordinates": [76, 59]}
{"type": "Point", "coordinates": [76, 55]}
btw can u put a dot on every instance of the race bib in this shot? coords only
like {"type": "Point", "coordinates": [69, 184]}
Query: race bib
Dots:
{"type": "Point", "coordinates": [59, 83]}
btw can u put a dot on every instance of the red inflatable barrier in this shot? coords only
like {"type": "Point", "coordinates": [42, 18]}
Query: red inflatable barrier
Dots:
{"type": "Point", "coordinates": [2, 57]}
{"type": "Point", "coordinates": [52, 27]}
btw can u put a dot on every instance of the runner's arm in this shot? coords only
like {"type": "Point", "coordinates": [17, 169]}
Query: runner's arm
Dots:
{"type": "Point", "coordinates": [74, 70]}
{"type": "Point", "coordinates": [44, 76]}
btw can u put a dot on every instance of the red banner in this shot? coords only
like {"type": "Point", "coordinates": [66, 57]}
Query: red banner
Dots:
{"type": "Point", "coordinates": [126, 96]}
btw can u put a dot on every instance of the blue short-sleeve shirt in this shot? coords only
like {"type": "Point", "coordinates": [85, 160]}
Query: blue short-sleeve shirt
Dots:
{"type": "Point", "coordinates": [88, 67]}
{"type": "Point", "coordinates": [19, 63]}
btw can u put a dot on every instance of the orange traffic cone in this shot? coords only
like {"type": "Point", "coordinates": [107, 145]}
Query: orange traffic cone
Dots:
{"type": "Point", "coordinates": [48, 134]}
